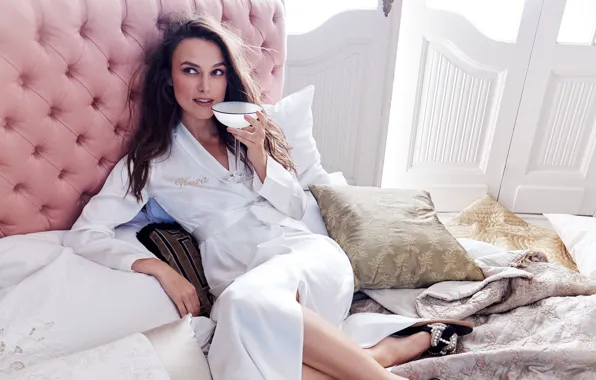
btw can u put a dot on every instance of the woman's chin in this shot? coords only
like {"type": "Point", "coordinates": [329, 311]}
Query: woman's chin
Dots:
{"type": "Point", "coordinates": [201, 114]}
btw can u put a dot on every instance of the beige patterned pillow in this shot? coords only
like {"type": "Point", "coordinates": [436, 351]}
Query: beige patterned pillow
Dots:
{"type": "Point", "coordinates": [392, 237]}
{"type": "Point", "coordinates": [488, 221]}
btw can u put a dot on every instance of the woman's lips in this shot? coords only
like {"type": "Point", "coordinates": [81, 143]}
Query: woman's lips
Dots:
{"type": "Point", "coordinates": [203, 102]}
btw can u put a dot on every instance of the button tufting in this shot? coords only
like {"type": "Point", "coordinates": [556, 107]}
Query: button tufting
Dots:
{"type": "Point", "coordinates": [36, 151]}
{"type": "Point", "coordinates": [118, 131]}
{"type": "Point", "coordinates": [43, 208]}
{"type": "Point", "coordinates": [94, 103]}
{"type": "Point", "coordinates": [18, 187]}
{"type": "Point", "coordinates": [61, 174]}
{"type": "Point", "coordinates": [101, 162]}
{"type": "Point", "coordinates": [79, 140]}
{"type": "Point", "coordinates": [84, 198]}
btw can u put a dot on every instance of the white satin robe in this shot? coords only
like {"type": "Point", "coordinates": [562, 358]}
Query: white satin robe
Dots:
{"type": "Point", "coordinates": [256, 253]}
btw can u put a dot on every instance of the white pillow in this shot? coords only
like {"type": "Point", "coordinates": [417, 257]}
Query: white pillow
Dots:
{"type": "Point", "coordinates": [578, 233]}
{"type": "Point", "coordinates": [167, 352]}
{"type": "Point", "coordinates": [293, 114]}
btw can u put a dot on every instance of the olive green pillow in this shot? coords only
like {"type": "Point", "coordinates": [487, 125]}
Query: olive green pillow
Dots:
{"type": "Point", "coordinates": [393, 237]}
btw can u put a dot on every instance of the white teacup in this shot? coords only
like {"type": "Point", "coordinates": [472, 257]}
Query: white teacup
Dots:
{"type": "Point", "coordinates": [231, 114]}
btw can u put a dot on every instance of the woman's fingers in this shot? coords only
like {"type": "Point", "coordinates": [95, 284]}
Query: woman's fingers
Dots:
{"type": "Point", "coordinates": [244, 141]}
{"type": "Point", "coordinates": [191, 302]}
{"type": "Point", "coordinates": [253, 122]}
{"type": "Point", "coordinates": [262, 118]}
{"type": "Point", "coordinates": [258, 123]}
{"type": "Point", "coordinates": [181, 308]}
{"type": "Point", "coordinates": [241, 134]}
{"type": "Point", "coordinates": [196, 305]}
{"type": "Point", "coordinates": [190, 309]}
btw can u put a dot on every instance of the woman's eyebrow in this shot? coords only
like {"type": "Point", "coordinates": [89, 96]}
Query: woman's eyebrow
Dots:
{"type": "Point", "coordinates": [190, 64]}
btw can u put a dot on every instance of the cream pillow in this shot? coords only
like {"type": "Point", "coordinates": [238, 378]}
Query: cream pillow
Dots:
{"type": "Point", "coordinates": [179, 350]}
{"type": "Point", "coordinates": [168, 352]}
{"type": "Point", "coordinates": [578, 233]}
{"type": "Point", "coordinates": [393, 237]}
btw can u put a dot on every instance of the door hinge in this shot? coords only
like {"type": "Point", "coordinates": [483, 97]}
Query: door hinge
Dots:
{"type": "Point", "coordinates": [387, 5]}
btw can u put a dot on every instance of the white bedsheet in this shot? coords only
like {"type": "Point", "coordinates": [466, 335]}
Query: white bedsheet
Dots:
{"type": "Point", "coordinates": [129, 358]}
{"type": "Point", "coordinates": [53, 302]}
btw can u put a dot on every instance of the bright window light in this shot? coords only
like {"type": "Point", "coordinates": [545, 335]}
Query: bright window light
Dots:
{"type": "Point", "coordinates": [303, 16]}
{"type": "Point", "coordinates": [498, 20]}
{"type": "Point", "coordinates": [578, 26]}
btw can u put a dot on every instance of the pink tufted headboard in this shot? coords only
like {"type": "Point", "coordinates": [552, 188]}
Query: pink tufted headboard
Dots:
{"type": "Point", "coordinates": [65, 68]}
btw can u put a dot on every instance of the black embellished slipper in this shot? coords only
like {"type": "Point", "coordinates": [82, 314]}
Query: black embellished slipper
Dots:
{"type": "Point", "coordinates": [443, 334]}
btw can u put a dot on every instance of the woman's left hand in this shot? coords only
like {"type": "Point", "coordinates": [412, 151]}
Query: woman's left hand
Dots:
{"type": "Point", "coordinates": [253, 137]}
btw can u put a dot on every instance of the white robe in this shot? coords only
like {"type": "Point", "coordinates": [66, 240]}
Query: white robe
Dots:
{"type": "Point", "coordinates": [256, 253]}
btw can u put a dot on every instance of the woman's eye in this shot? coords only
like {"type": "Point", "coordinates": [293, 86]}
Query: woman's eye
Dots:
{"type": "Point", "coordinates": [218, 72]}
{"type": "Point", "coordinates": [189, 70]}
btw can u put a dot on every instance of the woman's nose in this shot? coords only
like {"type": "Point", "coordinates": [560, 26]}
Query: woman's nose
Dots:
{"type": "Point", "coordinates": [204, 84]}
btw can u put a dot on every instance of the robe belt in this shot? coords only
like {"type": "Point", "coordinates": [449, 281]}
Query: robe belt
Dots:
{"type": "Point", "coordinates": [260, 208]}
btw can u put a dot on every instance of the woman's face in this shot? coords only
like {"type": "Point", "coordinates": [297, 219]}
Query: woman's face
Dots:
{"type": "Point", "coordinates": [199, 77]}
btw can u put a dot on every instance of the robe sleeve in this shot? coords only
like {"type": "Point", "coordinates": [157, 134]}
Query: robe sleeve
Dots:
{"type": "Point", "coordinates": [93, 234]}
{"type": "Point", "coordinates": [282, 190]}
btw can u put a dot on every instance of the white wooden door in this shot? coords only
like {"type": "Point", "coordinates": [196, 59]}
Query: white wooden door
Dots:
{"type": "Point", "coordinates": [552, 165]}
{"type": "Point", "coordinates": [350, 58]}
{"type": "Point", "coordinates": [460, 72]}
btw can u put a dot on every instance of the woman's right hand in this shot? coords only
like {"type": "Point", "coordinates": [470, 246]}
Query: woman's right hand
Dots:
{"type": "Point", "coordinates": [178, 288]}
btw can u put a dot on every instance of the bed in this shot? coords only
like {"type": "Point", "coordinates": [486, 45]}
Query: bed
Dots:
{"type": "Point", "coordinates": [64, 121]}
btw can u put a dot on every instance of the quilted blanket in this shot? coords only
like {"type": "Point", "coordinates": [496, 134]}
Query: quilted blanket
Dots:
{"type": "Point", "coordinates": [534, 320]}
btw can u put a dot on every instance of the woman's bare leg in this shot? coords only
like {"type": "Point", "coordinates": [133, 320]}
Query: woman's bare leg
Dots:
{"type": "Point", "coordinates": [328, 351]}
{"type": "Point", "coordinates": [309, 373]}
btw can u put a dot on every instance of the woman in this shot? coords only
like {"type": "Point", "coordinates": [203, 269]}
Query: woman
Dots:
{"type": "Point", "coordinates": [282, 291]}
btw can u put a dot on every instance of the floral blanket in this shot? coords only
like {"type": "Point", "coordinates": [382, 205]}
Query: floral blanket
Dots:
{"type": "Point", "coordinates": [533, 320]}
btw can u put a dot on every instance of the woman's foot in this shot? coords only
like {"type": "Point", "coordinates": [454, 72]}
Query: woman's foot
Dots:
{"type": "Point", "coordinates": [394, 351]}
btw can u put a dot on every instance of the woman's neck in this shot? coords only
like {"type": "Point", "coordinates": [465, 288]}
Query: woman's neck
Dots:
{"type": "Point", "coordinates": [203, 130]}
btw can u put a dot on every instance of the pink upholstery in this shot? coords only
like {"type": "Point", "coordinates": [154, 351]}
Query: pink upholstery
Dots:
{"type": "Point", "coordinates": [65, 67]}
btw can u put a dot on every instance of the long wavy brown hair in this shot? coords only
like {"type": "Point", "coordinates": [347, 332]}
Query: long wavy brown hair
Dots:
{"type": "Point", "coordinates": [159, 113]}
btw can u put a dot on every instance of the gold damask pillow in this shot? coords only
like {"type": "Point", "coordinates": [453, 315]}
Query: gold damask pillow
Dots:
{"type": "Point", "coordinates": [393, 237]}
{"type": "Point", "coordinates": [488, 221]}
